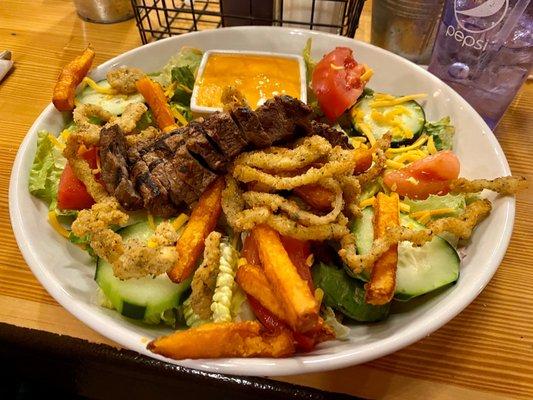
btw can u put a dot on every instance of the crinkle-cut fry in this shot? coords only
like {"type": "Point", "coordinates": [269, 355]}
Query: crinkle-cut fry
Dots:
{"type": "Point", "coordinates": [380, 288]}
{"type": "Point", "coordinates": [316, 196]}
{"type": "Point", "coordinates": [300, 305]}
{"type": "Point", "coordinates": [70, 77]}
{"type": "Point", "coordinates": [155, 97]}
{"type": "Point", "coordinates": [310, 150]}
{"type": "Point", "coordinates": [253, 281]}
{"type": "Point", "coordinates": [227, 339]}
{"type": "Point", "coordinates": [505, 185]}
{"type": "Point", "coordinates": [203, 220]}
{"type": "Point", "coordinates": [340, 162]}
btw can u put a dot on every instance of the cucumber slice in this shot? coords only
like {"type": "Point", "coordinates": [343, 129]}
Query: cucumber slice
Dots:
{"type": "Point", "coordinates": [410, 116]}
{"type": "Point", "coordinates": [113, 103]}
{"type": "Point", "coordinates": [146, 298]}
{"type": "Point", "coordinates": [420, 269]}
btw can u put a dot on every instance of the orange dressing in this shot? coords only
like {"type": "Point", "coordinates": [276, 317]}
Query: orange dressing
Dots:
{"type": "Point", "coordinates": [257, 77]}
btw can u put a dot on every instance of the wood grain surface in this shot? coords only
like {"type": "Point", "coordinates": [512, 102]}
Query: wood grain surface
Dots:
{"type": "Point", "coordinates": [485, 352]}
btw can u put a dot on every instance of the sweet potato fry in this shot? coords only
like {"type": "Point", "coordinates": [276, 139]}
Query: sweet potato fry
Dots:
{"type": "Point", "coordinates": [363, 161]}
{"type": "Point", "coordinates": [299, 303]}
{"type": "Point", "coordinates": [70, 77]}
{"type": "Point", "coordinates": [316, 196]}
{"type": "Point", "coordinates": [155, 97]}
{"type": "Point", "coordinates": [228, 339]}
{"type": "Point", "coordinates": [380, 288]}
{"type": "Point", "coordinates": [253, 281]}
{"type": "Point", "coordinates": [203, 220]}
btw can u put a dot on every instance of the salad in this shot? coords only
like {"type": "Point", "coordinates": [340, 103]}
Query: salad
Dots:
{"type": "Point", "coordinates": [256, 231]}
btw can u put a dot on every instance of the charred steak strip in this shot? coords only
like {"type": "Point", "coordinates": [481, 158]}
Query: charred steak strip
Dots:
{"type": "Point", "coordinates": [114, 168]}
{"type": "Point", "coordinates": [173, 170]}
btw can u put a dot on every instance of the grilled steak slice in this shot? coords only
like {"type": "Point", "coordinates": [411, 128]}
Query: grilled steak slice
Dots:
{"type": "Point", "coordinates": [225, 133]}
{"type": "Point", "coordinates": [250, 126]}
{"type": "Point", "coordinates": [155, 195]}
{"type": "Point", "coordinates": [284, 118]}
{"type": "Point", "coordinates": [114, 168]}
{"type": "Point", "coordinates": [332, 135]}
{"type": "Point", "coordinates": [190, 171]}
{"type": "Point", "coordinates": [179, 192]}
{"type": "Point", "coordinates": [202, 149]}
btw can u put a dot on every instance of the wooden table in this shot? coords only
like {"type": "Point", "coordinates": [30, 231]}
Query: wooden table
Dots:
{"type": "Point", "coordinates": [485, 352]}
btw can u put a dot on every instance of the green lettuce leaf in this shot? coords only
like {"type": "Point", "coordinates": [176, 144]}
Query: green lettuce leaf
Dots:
{"type": "Point", "coordinates": [83, 242]}
{"type": "Point", "coordinates": [186, 57]}
{"type": "Point", "coordinates": [442, 132]}
{"type": "Point", "coordinates": [48, 164]}
{"type": "Point", "coordinates": [310, 65]}
{"type": "Point", "coordinates": [342, 332]}
{"type": "Point", "coordinates": [456, 202]}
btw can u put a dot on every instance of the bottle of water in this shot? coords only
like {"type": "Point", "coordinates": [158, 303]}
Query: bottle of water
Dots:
{"type": "Point", "coordinates": [484, 50]}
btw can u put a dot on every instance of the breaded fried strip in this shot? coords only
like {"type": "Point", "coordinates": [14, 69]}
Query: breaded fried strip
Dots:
{"type": "Point", "coordinates": [506, 185]}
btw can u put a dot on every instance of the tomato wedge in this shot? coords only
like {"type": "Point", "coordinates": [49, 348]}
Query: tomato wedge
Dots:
{"type": "Point", "coordinates": [270, 322]}
{"type": "Point", "coordinates": [72, 194]}
{"type": "Point", "coordinates": [431, 175]}
{"type": "Point", "coordinates": [337, 82]}
{"type": "Point", "coordinates": [299, 251]}
{"type": "Point", "coordinates": [250, 251]}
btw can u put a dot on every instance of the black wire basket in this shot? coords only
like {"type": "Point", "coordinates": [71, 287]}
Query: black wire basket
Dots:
{"type": "Point", "coordinates": [157, 19]}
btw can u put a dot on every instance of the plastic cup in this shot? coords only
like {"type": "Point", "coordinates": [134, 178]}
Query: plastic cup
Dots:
{"type": "Point", "coordinates": [484, 50]}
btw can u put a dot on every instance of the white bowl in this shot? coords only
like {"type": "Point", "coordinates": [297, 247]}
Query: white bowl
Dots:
{"type": "Point", "coordinates": [65, 271]}
{"type": "Point", "coordinates": [202, 110]}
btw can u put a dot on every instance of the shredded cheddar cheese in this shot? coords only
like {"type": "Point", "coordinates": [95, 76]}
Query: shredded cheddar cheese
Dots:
{"type": "Point", "coordinates": [169, 91]}
{"type": "Point", "coordinates": [431, 146]}
{"type": "Point", "coordinates": [406, 208]}
{"type": "Point", "coordinates": [98, 88]}
{"type": "Point", "coordinates": [432, 213]}
{"type": "Point", "coordinates": [57, 144]}
{"type": "Point", "coordinates": [393, 164]}
{"type": "Point", "coordinates": [180, 221]}
{"type": "Point", "coordinates": [365, 77]}
{"type": "Point", "coordinates": [336, 67]}
{"type": "Point", "coordinates": [396, 101]}
{"type": "Point", "coordinates": [151, 222]}
{"type": "Point", "coordinates": [368, 202]}
{"type": "Point", "coordinates": [179, 116]}
{"type": "Point", "coordinates": [52, 219]}
{"type": "Point", "coordinates": [359, 117]}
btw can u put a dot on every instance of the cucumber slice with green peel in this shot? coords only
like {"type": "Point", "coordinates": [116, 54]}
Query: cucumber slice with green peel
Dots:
{"type": "Point", "coordinates": [408, 126]}
{"type": "Point", "coordinates": [113, 103]}
{"type": "Point", "coordinates": [420, 269]}
{"type": "Point", "coordinates": [145, 298]}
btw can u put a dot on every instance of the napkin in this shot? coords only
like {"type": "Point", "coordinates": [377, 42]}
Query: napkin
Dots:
{"type": "Point", "coordinates": [5, 66]}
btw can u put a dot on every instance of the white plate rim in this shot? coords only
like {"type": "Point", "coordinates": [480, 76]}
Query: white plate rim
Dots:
{"type": "Point", "coordinates": [262, 366]}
